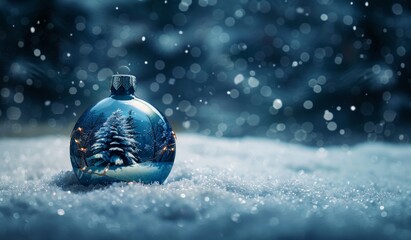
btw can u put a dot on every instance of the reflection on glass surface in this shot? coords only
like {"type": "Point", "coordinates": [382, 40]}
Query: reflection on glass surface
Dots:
{"type": "Point", "coordinates": [122, 138]}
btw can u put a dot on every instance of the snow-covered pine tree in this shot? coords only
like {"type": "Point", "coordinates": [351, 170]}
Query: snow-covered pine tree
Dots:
{"type": "Point", "coordinates": [132, 149]}
{"type": "Point", "coordinates": [163, 141]}
{"type": "Point", "coordinates": [115, 144]}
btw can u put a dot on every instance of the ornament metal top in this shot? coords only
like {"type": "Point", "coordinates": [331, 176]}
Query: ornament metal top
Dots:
{"type": "Point", "coordinates": [122, 138]}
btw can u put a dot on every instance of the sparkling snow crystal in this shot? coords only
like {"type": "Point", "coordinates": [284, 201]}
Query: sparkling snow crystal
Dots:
{"type": "Point", "coordinates": [220, 188]}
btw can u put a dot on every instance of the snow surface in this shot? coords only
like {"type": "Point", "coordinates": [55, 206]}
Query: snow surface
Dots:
{"type": "Point", "coordinates": [218, 189]}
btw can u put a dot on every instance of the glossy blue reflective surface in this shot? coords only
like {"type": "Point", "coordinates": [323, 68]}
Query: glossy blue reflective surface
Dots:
{"type": "Point", "coordinates": [122, 138]}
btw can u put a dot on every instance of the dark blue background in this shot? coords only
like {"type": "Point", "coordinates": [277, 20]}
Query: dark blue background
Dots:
{"type": "Point", "coordinates": [213, 67]}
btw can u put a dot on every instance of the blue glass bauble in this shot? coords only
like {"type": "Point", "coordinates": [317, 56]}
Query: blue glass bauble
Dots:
{"type": "Point", "coordinates": [122, 138]}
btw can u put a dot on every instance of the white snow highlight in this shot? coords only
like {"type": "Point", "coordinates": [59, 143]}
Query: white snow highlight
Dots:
{"type": "Point", "coordinates": [218, 189]}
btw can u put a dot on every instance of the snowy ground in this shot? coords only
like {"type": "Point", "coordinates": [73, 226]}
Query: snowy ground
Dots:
{"type": "Point", "coordinates": [218, 188]}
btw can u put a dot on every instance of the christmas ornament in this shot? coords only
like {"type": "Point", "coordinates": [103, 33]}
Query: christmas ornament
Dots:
{"type": "Point", "coordinates": [122, 138]}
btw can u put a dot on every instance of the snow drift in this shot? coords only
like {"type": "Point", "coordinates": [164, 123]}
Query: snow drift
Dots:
{"type": "Point", "coordinates": [218, 189]}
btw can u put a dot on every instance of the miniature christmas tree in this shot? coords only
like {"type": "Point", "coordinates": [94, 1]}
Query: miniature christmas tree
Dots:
{"type": "Point", "coordinates": [163, 142]}
{"type": "Point", "coordinates": [115, 142]}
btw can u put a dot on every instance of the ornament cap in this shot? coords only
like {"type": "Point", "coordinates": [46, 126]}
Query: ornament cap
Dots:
{"type": "Point", "coordinates": [123, 84]}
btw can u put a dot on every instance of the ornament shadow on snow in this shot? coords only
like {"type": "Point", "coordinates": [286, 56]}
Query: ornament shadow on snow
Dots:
{"type": "Point", "coordinates": [122, 138]}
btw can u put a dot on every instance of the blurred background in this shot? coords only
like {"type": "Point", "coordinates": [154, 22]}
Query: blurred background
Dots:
{"type": "Point", "coordinates": [316, 72]}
